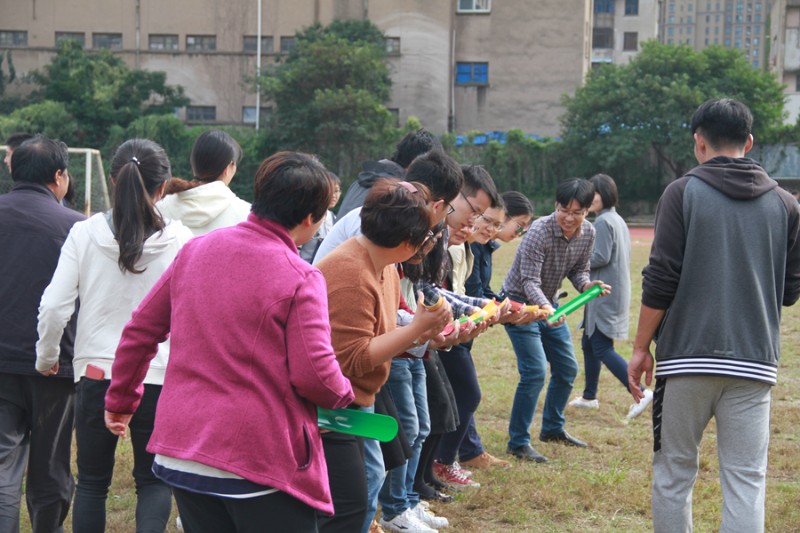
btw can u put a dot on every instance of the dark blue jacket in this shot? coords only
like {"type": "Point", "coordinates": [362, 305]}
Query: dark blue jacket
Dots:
{"type": "Point", "coordinates": [477, 284]}
{"type": "Point", "coordinates": [33, 227]}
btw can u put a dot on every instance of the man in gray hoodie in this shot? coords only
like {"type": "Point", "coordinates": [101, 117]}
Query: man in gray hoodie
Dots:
{"type": "Point", "coordinates": [725, 257]}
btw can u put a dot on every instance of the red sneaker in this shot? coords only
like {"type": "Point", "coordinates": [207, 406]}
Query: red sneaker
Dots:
{"type": "Point", "coordinates": [452, 476]}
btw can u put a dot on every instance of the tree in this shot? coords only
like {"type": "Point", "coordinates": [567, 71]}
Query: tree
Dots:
{"type": "Point", "coordinates": [100, 91]}
{"type": "Point", "coordinates": [329, 94]}
{"type": "Point", "coordinates": [632, 121]}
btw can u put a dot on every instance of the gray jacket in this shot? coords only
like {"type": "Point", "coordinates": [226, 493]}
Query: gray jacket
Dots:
{"type": "Point", "coordinates": [611, 263]}
{"type": "Point", "coordinates": [725, 257]}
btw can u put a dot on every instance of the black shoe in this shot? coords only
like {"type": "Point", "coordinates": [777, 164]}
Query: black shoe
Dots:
{"type": "Point", "coordinates": [527, 452]}
{"type": "Point", "coordinates": [563, 438]}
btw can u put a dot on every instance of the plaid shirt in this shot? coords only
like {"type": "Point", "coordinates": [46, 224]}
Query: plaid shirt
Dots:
{"type": "Point", "coordinates": [545, 257]}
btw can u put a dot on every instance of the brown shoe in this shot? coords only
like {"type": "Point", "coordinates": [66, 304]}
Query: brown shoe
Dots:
{"type": "Point", "coordinates": [486, 460]}
{"type": "Point", "coordinates": [375, 527]}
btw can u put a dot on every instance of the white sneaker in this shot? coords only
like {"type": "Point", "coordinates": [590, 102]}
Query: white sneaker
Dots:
{"type": "Point", "coordinates": [426, 516]}
{"type": "Point", "coordinates": [638, 408]}
{"type": "Point", "coordinates": [406, 522]}
{"type": "Point", "coordinates": [586, 404]}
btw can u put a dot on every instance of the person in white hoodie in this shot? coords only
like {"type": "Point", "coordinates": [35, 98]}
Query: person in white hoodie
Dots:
{"type": "Point", "coordinates": [109, 262]}
{"type": "Point", "coordinates": [206, 202]}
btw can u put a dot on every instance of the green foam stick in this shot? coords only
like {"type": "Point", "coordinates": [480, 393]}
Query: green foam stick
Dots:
{"type": "Point", "coordinates": [575, 303]}
{"type": "Point", "coordinates": [358, 423]}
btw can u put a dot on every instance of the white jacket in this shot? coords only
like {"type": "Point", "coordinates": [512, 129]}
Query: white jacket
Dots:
{"type": "Point", "coordinates": [205, 208]}
{"type": "Point", "coordinates": [88, 270]}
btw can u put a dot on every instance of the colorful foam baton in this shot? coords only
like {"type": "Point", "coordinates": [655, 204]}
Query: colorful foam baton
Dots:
{"type": "Point", "coordinates": [575, 303]}
{"type": "Point", "coordinates": [358, 423]}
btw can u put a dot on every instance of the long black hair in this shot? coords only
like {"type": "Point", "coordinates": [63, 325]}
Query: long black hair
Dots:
{"type": "Point", "coordinates": [138, 169]}
{"type": "Point", "coordinates": [212, 152]}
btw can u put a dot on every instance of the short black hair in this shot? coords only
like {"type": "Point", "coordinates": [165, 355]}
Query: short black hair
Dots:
{"type": "Point", "coordinates": [575, 189]}
{"type": "Point", "coordinates": [723, 122]}
{"type": "Point", "coordinates": [289, 186]}
{"type": "Point", "coordinates": [604, 186]}
{"type": "Point", "coordinates": [17, 139]}
{"type": "Point", "coordinates": [38, 159]}
{"type": "Point", "coordinates": [393, 214]}
{"type": "Point", "coordinates": [438, 172]}
{"type": "Point", "coordinates": [414, 144]}
{"type": "Point", "coordinates": [477, 178]}
{"type": "Point", "coordinates": [516, 204]}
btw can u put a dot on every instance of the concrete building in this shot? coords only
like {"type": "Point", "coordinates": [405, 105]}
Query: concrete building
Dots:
{"type": "Point", "coordinates": [618, 28]}
{"type": "Point", "coordinates": [740, 24]}
{"type": "Point", "coordinates": [784, 52]}
{"type": "Point", "coordinates": [456, 64]}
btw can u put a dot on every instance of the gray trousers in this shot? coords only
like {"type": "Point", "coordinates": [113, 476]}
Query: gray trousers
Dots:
{"type": "Point", "coordinates": [36, 419]}
{"type": "Point", "coordinates": [682, 408]}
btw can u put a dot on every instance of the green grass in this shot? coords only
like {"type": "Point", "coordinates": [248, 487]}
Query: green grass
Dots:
{"type": "Point", "coordinates": [605, 488]}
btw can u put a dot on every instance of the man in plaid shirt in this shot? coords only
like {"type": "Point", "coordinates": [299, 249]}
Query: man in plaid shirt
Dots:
{"type": "Point", "coordinates": [555, 247]}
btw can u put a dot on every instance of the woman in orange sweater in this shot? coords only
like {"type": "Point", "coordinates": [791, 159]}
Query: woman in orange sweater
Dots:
{"type": "Point", "coordinates": [363, 299]}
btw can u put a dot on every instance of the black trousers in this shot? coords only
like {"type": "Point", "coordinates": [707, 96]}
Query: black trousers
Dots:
{"type": "Point", "coordinates": [274, 513]}
{"type": "Point", "coordinates": [37, 415]}
{"type": "Point", "coordinates": [344, 455]}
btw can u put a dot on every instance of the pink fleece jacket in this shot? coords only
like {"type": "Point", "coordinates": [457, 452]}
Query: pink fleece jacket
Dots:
{"type": "Point", "coordinates": [251, 359]}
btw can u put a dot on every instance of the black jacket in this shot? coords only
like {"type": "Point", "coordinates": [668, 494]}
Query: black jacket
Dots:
{"type": "Point", "coordinates": [33, 227]}
{"type": "Point", "coordinates": [373, 170]}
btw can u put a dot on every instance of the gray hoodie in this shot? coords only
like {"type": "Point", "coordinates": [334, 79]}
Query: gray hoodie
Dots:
{"type": "Point", "coordinates": [725, 257]}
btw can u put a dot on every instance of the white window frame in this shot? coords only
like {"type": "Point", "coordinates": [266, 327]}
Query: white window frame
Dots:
{"type": "Point", "coordinates": [478, 6]}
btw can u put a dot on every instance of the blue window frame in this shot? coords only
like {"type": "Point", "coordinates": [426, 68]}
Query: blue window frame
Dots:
{"type": "Point", "coordinates": [604, 6]}
{"type": "Point", "coordinates": [472, 73]}
{"type": "Point", "coordinates": [631, 7]}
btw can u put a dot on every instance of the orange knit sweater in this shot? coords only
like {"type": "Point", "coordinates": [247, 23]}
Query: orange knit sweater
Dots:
{"type": "Point", "coordinates": [361, 306]}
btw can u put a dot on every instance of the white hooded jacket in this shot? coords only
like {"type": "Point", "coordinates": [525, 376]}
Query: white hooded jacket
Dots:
{"type": "Point", "coordinates": [205, 208]}
{"type": "Point", "coordinates": [88, 270]}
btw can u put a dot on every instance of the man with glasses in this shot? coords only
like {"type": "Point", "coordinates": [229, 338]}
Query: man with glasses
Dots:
{"type": "Point", "coordinates": [557, 246]}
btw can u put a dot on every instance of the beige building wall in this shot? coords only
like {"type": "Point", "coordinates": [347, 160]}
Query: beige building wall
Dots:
{"type": "Point", "coordinates": [784, 58]}
{"type": "Point", "coordinates": [536, 51]}
{"type": "Point", "coordinates": [627, 30]}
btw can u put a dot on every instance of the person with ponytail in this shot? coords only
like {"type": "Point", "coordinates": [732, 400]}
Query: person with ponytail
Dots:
{"type": "Point", "coordinates": [206, 202]}
{"type": "Point", "coordinates": [109, 262]}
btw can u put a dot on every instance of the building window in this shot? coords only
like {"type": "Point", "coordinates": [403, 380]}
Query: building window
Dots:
{"type": "Point", "coordinates": [287, 44]}
{"type": "Point", "coordinates": [797, 82]}
{"type": "Point", "coordinates": [201, 43]}
{"type": "Point", "coordinates": [78, 37]}
{"type": "Point", "coordinates": [632, 7]}
{"type": "Point", "coordinates": [14, 38]}
{"type": "Point", "coordinates": [108, 41]}
{"type": "Point", "coordinates": [604, 6]}
{"type": "Point", "coordinates": [249, 114]}
{"type": "Point", "coordinates": [755, 62]}
{"type": "Point", "coordinates": [472, 73]}
{"type": "Point", "coordinates": [163, 42]}
{"type": "Point", "coordinates": [602, 38]}
{"type": "Point", "coordinates": [630, 42]}
{"type": "Point", "coordinates": [474, 6]}
{"type": "Point", "coordinates": [251, 44]}
{"type": "Point", "coordinates": [396, 112]}
{"type": "Point", "coordinates": [392, 46]}
{"type": "Point", "coordinates": [201, 113]}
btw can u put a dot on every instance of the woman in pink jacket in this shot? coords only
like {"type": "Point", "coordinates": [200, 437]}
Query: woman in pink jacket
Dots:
{"type": "Point", "coordinates": [236, 431]}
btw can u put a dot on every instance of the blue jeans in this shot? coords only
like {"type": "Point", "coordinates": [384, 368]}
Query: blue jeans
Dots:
{"type": "Point", "coordinates": [406, 385]}
{"type": "Point", "coordinates": [535, 345]}
{"type": "Point", "coordinates": [373, 464]}
{"type": "Point", "coordinates": [598, 350]}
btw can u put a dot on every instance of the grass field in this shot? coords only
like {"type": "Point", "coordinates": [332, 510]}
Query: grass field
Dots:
{"type": "Point", "coordinates": [605, 488]}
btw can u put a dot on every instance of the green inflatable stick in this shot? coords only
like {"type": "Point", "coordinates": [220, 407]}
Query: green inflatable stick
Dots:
{"type": "Point", "coordinates": [575, 303]}
{"type": "Point", "coordinates": [358, 423]}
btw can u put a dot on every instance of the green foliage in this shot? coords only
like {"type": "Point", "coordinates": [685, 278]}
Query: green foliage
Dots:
{"type": "Point", "coordinates": [48, 118]}
{"type": "Point", "coordinates": [100, 91]}
{"type": "Point", "coordinates": [329, 96]}
{"type": "Point", "coordinates": [632, 121]}
{"type": "Point", "coordinates": [530, 166]}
